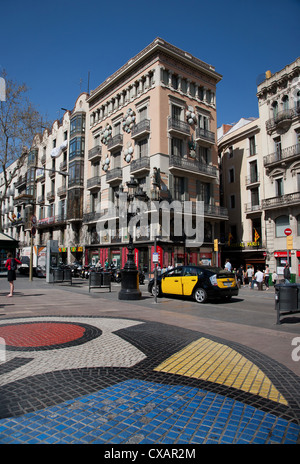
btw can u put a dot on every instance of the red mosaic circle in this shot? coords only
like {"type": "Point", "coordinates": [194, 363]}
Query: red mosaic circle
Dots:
{"type": "Point", "coordinates": [40, 334]}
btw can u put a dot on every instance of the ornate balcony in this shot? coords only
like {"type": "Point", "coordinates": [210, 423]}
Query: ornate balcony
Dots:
{"type": "Point", "coordinates": [282, 120]}
{"type": "Point", "coordinates": [281, 201]}
{"type": "Point", "coordinates": [140, 166]}
{"type": "Point", "coordinates": [140, 129]}
{"type": "Point", "coordinates": [115, 142]}
{"type": "Point", "coordinates": [114, 175]}
{"type": "Point", "coordinates": [177, 126]}
{"type": "Point", "coordinates": [204, 135]}
{"type": "Point", "coordinates": [95, 153]}
{"type": "Point", "coordinates": [94, 183]}
{"type": "Point", "coordinates": [287, 154]}
{"type": "Point", "coordinates": [177, 163]}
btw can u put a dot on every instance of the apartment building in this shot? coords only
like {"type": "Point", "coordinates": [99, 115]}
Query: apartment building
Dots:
{"type": "Point", "coordinates": [151, 124]}
{"type": "Point", "coordinates": [260, 170]}
{"type": "Point", "coordinates": [154, 121]}
{"type": "Point", "coordinates": [242, 172]}
{"type": "Point", "coordinates": [50, 186]}
{"type": "Point", "coordinates": [279, 113]}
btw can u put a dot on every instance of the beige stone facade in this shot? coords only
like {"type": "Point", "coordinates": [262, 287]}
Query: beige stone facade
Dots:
{"type": "Point", "coordinates": [153, 120]}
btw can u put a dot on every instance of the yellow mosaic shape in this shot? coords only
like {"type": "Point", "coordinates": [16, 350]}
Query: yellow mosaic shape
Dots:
{"type": "Point", "coordinates": [207, 360]}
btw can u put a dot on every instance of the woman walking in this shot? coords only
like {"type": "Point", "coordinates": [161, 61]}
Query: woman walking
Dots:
{"type": "Point", "coordinates": [11, 264]}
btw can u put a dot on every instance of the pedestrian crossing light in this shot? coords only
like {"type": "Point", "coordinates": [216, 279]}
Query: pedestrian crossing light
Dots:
{"type": "Point", "coordinates": [216, 244]}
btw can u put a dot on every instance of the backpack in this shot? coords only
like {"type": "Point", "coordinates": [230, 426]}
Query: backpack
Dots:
{"type": "Point", "coordinates": [13, 265]}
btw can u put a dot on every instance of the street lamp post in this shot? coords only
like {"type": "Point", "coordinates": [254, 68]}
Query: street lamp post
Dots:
{"type": "Point", "coordinates": [65, 174]}
{"type": "Point", "coordinates": [130, 274]}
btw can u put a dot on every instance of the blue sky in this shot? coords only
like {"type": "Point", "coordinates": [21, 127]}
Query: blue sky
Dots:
{"type": "Point", "coordinates": [52, 46]}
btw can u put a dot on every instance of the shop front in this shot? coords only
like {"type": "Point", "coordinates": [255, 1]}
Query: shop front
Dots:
{"type": "Point", "coordinates": [76, 254]}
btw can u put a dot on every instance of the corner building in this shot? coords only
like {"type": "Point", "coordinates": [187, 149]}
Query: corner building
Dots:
{"type": "Point", "coordinates": [154, 121]}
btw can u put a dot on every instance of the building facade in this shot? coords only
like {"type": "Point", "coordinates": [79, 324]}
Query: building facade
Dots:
{"type": "Point", "coordinates": [279, 113]}
{"type": "Point", "coordinates": [242, 172]}
{"type": "Point", "coordinates": [260, 170]}
{"type": "Point", "coordinates": [154, 120]}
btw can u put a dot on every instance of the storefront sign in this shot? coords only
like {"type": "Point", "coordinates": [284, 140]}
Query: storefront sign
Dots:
{"type": "Point", "coordinates": [281, 254]}
{"type": "Point", "coordinates": [74, 249]}
{"type": "Point", "coordinates": [62, 250]}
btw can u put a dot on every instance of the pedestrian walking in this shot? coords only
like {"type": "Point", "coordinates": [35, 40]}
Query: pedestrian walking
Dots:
{"type": "Point", "coordinates": [287, 273]}
{"type": "Point", "coordinates": [228, 266]}
{"type": "Point", "coordinates": [259, 277]}
{"type": "Point", "coordinates": [274, 277]}
{"type": "Point", "coordinates": [266, 276]}
{"type": "Point", "coordinates": [250, 272]}
{"type": "Point", "coordinates": [11, 265]}
{"type": "Point", "coordinates": [240, 276]}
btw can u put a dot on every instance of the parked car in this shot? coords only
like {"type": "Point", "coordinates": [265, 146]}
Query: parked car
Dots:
{"type": "Point", "coordinates": [199, 282]}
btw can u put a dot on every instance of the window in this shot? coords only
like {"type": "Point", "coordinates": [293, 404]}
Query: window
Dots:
{"type": "Point", "coordinates": [176, 112]}
{"type": "Point", "coordinates": [76, 147]}
{"type": "Point", "coordinates": [143, 113]}
{"type": "Point", "coordinates": [174, 81]}
{"type": "Point", "coordinates": [231, 175]}
{"type": "Point", "coordinates": [116, 160]}
{"type": "Point", "coordinates": [279, 187]}
{"type": "Point", "coordinates": [203, 122]}
{"type": "Point", "coordinates": [298, 225]}
{"type": "Point", "coordinates": [204, 155]}
{"type": "Point", "coordinates": [76, 173]}
{"type": "Point", "coordinates": [230, 152]}
{"type": "Point", "coordinates": [178, 187]}
{"type": "Point", "coordinates": [93, 202]}
{"type": "Point", "coordinates": [285, 102]}
{"type": "Point", "coordinates": [277, 143]}
{"type": "Point", "coordinates": [117, 128]}
{"type": "Point", "coordinates": [232, 201]}
{"type": "Point", "coordinates": [254, 197]}
{"type": "Point", "coordinates": [253, 172]}
{"type": "Point", "coordinates": [281, 223]}
{"type": "Point", "coordinates": [203, 191]}
{"type": "Point", "coordinates": [275, 109]}
{"type": "Point", "coordinates": [77, 124]}
{"type": "Point", "coordinates": [96, 168]}
{"type": "Point", "coordinates": [142, 148]}
{"type": "Point", "coordinates": [252, 148]}
{"type": "Point", "coordinates": [176, 147]}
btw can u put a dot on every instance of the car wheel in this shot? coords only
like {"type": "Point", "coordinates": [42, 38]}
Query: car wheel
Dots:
{"type": "Point", "coordinates": [200, 295]}
{"type": "Point", "coordinates": [158, 293]}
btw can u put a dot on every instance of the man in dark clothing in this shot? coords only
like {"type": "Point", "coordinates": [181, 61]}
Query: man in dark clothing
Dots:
{"type": "Point", "coordinates": [287, 274]}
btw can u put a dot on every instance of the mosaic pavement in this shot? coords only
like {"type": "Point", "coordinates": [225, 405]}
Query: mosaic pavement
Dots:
{"type": "Point", "coordinates": [106, 380]}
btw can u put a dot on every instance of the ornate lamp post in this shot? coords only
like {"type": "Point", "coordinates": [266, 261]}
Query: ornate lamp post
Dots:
{"type": "Point", "coordinates": [130, 274]}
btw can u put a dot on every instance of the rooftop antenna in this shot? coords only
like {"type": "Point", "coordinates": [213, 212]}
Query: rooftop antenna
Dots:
{"type": "Point", "coordinates": [88, 87]}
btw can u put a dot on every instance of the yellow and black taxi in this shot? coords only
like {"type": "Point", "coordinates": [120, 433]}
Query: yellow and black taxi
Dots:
{"type": "Point", "coordinates": [199, 282]}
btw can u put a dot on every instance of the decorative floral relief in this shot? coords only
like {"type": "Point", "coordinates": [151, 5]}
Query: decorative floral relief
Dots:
{"type": "Point", "coordinates": [106, 134]}
{"type": "Point", "coordinates": [191, 115]}
{"type": "Point", "coordinates": [106, 163]}
{"type": "Point", "coordinates": [128, 120]}
{"type": "Point", "coordinates": [128, 152]}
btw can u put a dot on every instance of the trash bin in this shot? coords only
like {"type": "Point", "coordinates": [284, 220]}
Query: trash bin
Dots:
{"type": "Point", "coordinates": [286, 299]}
{"type": "Point", "coordinates": [95, 279]}
{"type": "Point", "coordinates": [68, 275]}
{"type": "Point", "coordinates": [58, 275]}
{"type": "Point", "coordinates": [106, 279]}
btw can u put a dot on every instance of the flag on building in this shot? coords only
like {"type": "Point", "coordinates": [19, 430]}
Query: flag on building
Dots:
{"type": "Point", "coordinates": [256, 236]}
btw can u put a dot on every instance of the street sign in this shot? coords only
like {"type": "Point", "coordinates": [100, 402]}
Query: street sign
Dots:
{"type": "Point", "coordinates": [33, 231]}
{"type": "Point", "coordinates": [216, 244]}
{"type": "Point", "coordinates": [155, 257]}
{"type": "Point", "coordinates": [288, 231]}
{"type": "Point", "coordinates": [289, 242]}
{"type": "Point", "coordinates": [33, 220]}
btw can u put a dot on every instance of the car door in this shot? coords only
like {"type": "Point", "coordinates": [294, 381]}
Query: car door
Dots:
{"type": "Point", "coordinates": [171, 282]}
{"type": "Point", "coordinates": [189, 280]}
